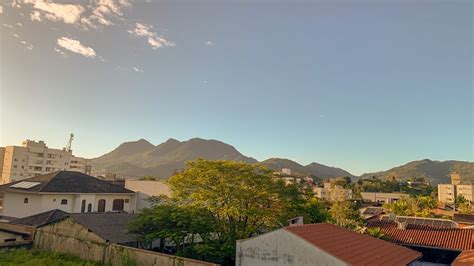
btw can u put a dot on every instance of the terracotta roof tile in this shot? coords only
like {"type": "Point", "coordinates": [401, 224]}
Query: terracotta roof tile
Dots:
{"type": "Point", "coordinates": [420, 235]}
{"type": "Point", "coordinates": [354, 248]}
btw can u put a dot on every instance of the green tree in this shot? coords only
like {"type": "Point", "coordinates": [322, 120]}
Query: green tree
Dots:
{"type": "Point", "coordinates": [462, 205]}
{"type": "Point", "coordinates": [147, 178]}
{"type": "Point", "coordinates": [345, 214]}
{"type": "Point", "coordinates": [413, 206]}
{"type": "Point", "coordinates": [376, 232]}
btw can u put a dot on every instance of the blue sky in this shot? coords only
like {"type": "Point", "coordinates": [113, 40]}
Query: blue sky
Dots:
{"type": "Point", "coordinates": [361, 85]}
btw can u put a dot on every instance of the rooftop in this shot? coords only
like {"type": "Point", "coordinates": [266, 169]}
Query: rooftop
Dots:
{"type": "Point", "coordinates": [41, 219]}
{"type": "Point", "coordinates": [63, 182]}
{"type": "Point", "coordinates": [428, 236]}
{"type": "Point", "coordinates": [352, 247]}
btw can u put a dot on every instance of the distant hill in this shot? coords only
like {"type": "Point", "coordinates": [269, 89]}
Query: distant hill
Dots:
{"type": "Point", "coordinates": [315, 169]}
{"type": "Point", "coordinates": [138, 158]}
{"type": "Point", "coordinates": [435, 171]}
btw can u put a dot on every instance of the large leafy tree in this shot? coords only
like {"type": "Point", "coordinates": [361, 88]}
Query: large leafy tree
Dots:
{"type": "Point", "coordinates": [219, 202]}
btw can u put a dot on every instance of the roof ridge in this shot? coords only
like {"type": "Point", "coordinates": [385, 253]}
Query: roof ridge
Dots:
{"type": "Point", "coordinates": [54, 174]}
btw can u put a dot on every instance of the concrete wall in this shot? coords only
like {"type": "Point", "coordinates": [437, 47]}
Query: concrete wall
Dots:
{"type": "Point", "coordinates": [69, 237]}
{"type": "Point", "coordinates": [145, 189]}
{"type": "Point", "coordinates": [14, 206]}
{"type": "Point", "coordinates": [467, 191]}
{"type": "Point", "coordinates": [281, 248]}
{"type": "Point", "coordinates": [382, 197]}
{"type": "Point", "coordinates": [446, 193]}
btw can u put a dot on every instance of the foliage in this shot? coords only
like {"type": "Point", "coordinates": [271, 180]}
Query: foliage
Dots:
{"type": "Point", "coordinates": [376, 232]}
{"type": "Point", "coordinates": [413, 206]}
{"type": "Point", "coordinates": [462, 205]}
{"type": "Point", "coordinates": [36, 257]}
{"type": "Point", "coordinates": [392, 184]}
{"type": "Point", "coordinates": [344, 181]}
{"type": "Point", "coordinates": [147, 178]}
{"type": "Point", "coordinates": [219, 202]}
{"type": "Point", "coordinates": [345, 214]}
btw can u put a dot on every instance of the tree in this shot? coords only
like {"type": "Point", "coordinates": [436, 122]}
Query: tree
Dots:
{"type": "Point", "coordinates": [414, 206]}
{"type": "Point", "coordinates": [462, 205]}
{"type": "Point", "coordinates": [147, 178]}
{"type": "Point", "coordinates": [376, 232]}
{"type": "Point", "coordinates": [345, 214]}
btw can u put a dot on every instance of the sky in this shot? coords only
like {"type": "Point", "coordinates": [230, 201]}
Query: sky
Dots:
{"type": "Point", "coordinates": [361, 85]}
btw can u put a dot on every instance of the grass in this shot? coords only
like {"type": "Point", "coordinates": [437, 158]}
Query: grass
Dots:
{"type": "Point", "coordinates": [41, 258]}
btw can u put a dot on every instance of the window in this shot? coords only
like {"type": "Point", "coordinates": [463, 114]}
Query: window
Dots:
{"type": "Point", "coordinates": [9, 240]}
{"type": "Point", "coordinates": [15, 159]}
{"type": "Point", "coordinates": [25, 200]}
{"type": "Point", "coordinates": [14, 166]}
{"type": "Point", "coordinates": [83, 205]}
{"type": "Point", "coordinates": [117, 205]}
{"type": "Point", "coordinates": [64, 202]}
{"type": "Point", "coordinates": [126, 200]}
{"type": "Point", "coordinates": [89, 207]}
{"type": "Point", "coordinates": [101, 207]}
{"type": "Point", "coordinates": [22, 167]}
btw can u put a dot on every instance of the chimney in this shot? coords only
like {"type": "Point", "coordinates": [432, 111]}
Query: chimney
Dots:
{"type": "Point", "coordinates": [296, 221]}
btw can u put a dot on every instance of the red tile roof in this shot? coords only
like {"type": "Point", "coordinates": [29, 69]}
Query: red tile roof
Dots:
{"type": "Point", "coordinates": [354, 248]}
{"type": "Point", "coordinates": [420, 235]}
{"type": "Point", "coordinates": [466, 258]}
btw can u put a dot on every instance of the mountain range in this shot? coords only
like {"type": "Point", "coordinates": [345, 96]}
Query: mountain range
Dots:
{"type": "Point", "coordinates": [139, 158]}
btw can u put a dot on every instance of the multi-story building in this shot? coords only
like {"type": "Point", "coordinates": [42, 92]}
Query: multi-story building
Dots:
{"type": "Point", "coordinates": [35, 158]}
{"type": "Point", "coordinates": [381, 197]}
{"type": "Point", "coordinates": [447, 193]}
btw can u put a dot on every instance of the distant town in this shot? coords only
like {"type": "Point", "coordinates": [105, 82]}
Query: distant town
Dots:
{"type": "Point", "coordinates": [229, 212]}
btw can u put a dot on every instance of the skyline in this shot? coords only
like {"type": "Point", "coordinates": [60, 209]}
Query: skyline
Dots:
{"type": "Point", "coordinates": [361, 86]}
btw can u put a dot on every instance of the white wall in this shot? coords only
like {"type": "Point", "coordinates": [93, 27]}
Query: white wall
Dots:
{"type": "Point", "coordinates": [13, 203]}
{"type": "Point", "coordinates": [14, 206]}
{"type": "Point", "coordinates": [283, 248]}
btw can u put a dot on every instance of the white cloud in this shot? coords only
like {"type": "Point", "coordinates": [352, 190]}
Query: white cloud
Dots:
{"type": "Point", "coordinates": [209, 43]}
{"type": "Point", "coordinates": [1, 9]}
{"type": "Point", "coordinates": [8, 26]}
{"type": "Point", "coordinates": [28, 46]}
{"type": "Point", "coordinates": [35, 16]}
{"type": "Point", "coordinates": [67, 13]}
{"type": "Point", "coordinates": [136, 69]}
{"type": "Point", "coordinates": [155, 41]}
{"type": "Point", "coordinates": [61, 52]}
{"type": "Point", "coordinates": [76, 46]}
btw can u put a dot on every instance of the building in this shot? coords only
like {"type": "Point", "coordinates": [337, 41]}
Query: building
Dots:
{"type": "Point", "coordinates": [146, 189]}
{"type": "Point", "coordinates": [320, 244]}
{"type": "Point", "coordinates": [382, 198]}
{"type": "Point", "coordinates": [286, 171]}
{"type": "Point", "coordinates": [438, 240]}
{"type": "Point", "coordinates": [332, 192]}
{"type": "Point", "coordinates": [35, 158]}
{"type": "Point", "coordinates": [69, 191]}
{"type": "Point", "coordinates": [464, 220]}
{"type": "Point", "coordinates": [447, 193]}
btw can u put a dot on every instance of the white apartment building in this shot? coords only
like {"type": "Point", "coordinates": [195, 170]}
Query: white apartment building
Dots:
{"type": "Point", "coordinates": [382, 197]}
{"type": "Point", "coordinates": [447, 193]}
{"type": "Point", "coordinates": [35, 158]}
{"type": "Point", "coordinates": [69, 191]}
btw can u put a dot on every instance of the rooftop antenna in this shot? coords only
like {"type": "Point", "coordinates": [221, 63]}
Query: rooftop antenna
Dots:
{"type": "Point", "coordinates": [68, 147]}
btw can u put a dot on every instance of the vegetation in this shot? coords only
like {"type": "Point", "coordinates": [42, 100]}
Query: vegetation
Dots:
{"type": "Point", "coordinates": [393, 184]}
{"type": "Point", "coordinates": [148, 178]}
{"type": "Point", "coordinates": [36, 257]}
{"type": "Point", "coordinates": [414, 206]}
{"type": "Point", "coordinates": [462, 205]}
{"type": "Point", "coordinates": [215, 203]}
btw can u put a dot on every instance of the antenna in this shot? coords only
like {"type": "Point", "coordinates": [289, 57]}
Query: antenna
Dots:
{"type": "Point", "coordinates": [68, 147]}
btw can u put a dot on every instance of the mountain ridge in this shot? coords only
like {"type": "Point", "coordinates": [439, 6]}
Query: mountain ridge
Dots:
{"type": "Point", "coordinates": [138, 158]}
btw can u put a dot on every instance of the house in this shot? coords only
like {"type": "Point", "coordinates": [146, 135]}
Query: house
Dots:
{"type": "Point", "coordinates": [11, 234]}
{"type": "Point", "coordinates": [69, 191]}
{"type": "Point", "coordinates": [368, 213]}
{"type": "Point", "coordinates": [320, 244]}
{"type": "Point", "coordinates": [381, 197]}
{"type": "Point", "coordinates": [332, 192]}
{"type": "Point", "coordinates": [439, 241]}
{"type": "Point", "coordinates": [146, 189]}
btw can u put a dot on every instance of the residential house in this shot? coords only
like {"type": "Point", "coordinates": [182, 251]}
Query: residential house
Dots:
{"type": "Point", "coordinates": [69, 191]}
{"type": "Point", "coordinates": [381, 197]}
{"type": "Point", "coordinates": [439, 240]}
{"type": "Point", "coordinates": [320, 244]}
{"type": "Point", "coordinates": [332, 192]}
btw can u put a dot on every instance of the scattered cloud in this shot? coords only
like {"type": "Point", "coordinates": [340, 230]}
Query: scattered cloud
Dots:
{"type": "Point", "coordinates": [136, 69]}
{"type": "Point", "coordinates": [1, 9]}
{"type": "Point", "coordinates": [67, 13]}
{"type": "Point", "coordinates": [35, 16]}
{"type": "Point", "coordinates": [155, 41]}
{"type": "Point", "coordinates": [61, 52]}
{"type": "Point", "coordinates": [209, 43]}
{"type": "Point", "coordinates": [19, 24]}
{"type": "Point", "coordinates": [28, 46]}
{"type": "Point", "coordinates": [76, 46]}
{"type": "Point", "coordinates": [8, 26]}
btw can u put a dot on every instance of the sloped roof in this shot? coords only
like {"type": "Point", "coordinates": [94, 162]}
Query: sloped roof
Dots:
{"type": "Point", "coordinates": [463, 218]}
{"type": "Point", "coordinates": [354, 248]}
{"type": "Point", "coordinates": [422, 235]}
{"type": "Point", "coordinates": [66, 182]}
{"type": "Point", "coordinates": [111, 226]}
{"type": "Point", "coordinates": [41, 219]}
{"type": "Point", "coordinates": [466, 258]}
